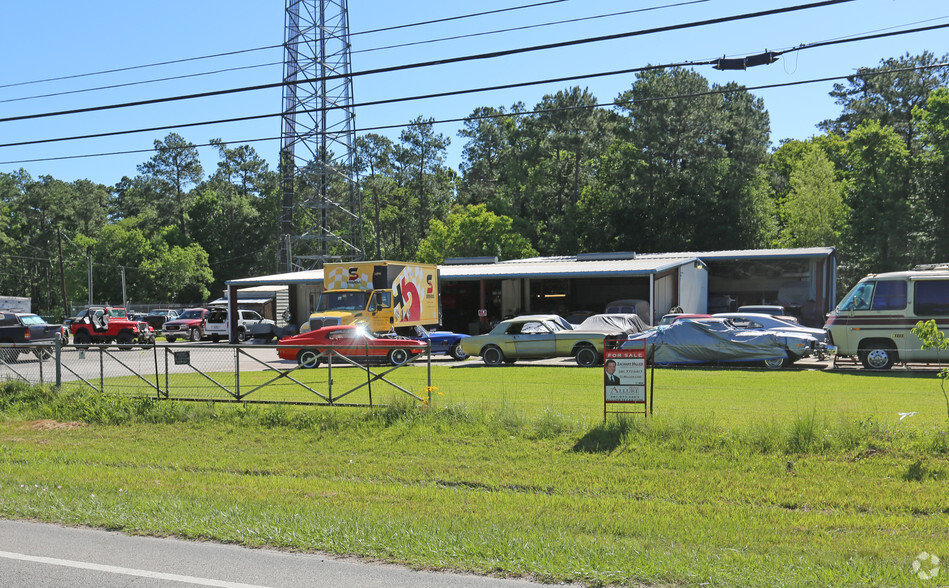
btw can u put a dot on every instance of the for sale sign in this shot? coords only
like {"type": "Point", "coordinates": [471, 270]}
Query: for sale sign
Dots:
{"type": "Point", "coordinates": [624, 374]}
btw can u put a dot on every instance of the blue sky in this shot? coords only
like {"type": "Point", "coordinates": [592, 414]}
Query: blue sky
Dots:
{"type": "Point", "coordinates": [58, 38]}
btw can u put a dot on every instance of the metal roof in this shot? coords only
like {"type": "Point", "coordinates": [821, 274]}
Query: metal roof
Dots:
{"type": "Point", "coordinates": [567, 266]}
{"type": "Point", "coordinates": [305, 277]}
{"type": "Point", "coordinates": [561, 267]}
{"type": "Point", "coordinates": [242, 301]}
{"type": "Point", "coordinates": [736, 254]}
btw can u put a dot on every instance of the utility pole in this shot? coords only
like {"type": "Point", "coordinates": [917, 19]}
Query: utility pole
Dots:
{"type": "Point", "coordinates": [62, 274]}
{"type": "Point", "coordinates": [89, 257]}
{"type": "Point", "coordinates": [124, 300]}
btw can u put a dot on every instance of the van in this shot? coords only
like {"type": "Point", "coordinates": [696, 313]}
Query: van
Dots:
{"type": "Point", "coordinates": [875, 320]}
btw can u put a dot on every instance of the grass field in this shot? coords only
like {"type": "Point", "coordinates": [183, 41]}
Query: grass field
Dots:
{"type": "Point", "coordinates": [741, 477]}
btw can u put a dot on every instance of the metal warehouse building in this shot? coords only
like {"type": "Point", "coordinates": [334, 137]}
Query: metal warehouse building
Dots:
{"type": "Point", "coordinates": [477, 291]}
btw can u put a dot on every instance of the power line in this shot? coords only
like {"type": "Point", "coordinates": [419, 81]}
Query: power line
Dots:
{"type": "Point", "coordinates": [460, 92]}
{"type": "Point", "coordinates": [253, 49]}
{"type": "Point", "coordinates": [525, 112]}
{"type": "Point", "coordinates": [141, 82]}
{"type": "Point", "coordinates": [451, 18]}
{"type": "Point", "coordinates": [133, 67]}
{"type": "Point", "coordinates": [357, 105]}
{"type": "Point", "coordinates": [480, 56]}
{"type": "Point", "coordinates": [526, 27]}
{"type": "Point", "coordinates": [371, 49]}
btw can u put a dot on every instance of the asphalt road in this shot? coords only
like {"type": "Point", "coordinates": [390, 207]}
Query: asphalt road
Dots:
{"type": "Point", "coordinates": [40, 555]}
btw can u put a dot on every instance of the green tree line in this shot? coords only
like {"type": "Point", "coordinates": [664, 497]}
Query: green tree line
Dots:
{"type": "Point", "coordinates": [676, 164]}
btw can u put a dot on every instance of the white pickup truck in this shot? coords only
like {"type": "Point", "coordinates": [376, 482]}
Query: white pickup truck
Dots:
{"type": "Point", "coordinates": [217, 326]}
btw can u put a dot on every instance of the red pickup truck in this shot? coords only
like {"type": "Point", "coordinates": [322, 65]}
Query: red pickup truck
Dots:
{"type": "Point", "coordinates": [106, 324]}
{"type": "Point", "coordinates": [189, 325]}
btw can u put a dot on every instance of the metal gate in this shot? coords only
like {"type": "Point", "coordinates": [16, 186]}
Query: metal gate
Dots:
{"type": "Point", "coordinates": [216, 373]}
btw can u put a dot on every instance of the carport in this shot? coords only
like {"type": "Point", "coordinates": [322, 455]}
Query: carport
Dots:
{"type": "Point", "coordinates": [478, 291]}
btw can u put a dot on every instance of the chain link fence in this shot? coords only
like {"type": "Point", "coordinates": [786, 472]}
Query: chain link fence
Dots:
{"type": "Point", "coordinates": [216, 373]}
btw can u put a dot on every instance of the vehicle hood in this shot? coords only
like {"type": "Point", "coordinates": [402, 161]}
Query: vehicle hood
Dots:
{"type": "Point", "coordinates": [178, 322]}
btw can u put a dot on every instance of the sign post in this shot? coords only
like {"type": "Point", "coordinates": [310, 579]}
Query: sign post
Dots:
{"type": "Point", "coordinates": [624, 378]}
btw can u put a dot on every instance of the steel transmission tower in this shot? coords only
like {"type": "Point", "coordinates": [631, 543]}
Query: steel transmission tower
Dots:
{"type": "Point", "coordinates": [321, 216]}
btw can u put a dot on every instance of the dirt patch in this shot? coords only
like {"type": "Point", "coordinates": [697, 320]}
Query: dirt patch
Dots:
{"type": "Point", "coordinates": [51, 425]}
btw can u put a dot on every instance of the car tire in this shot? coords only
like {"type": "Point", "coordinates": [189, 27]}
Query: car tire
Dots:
{"type": "Point", "coordinates": [82, 338]}
{"type": "Point", "coordinates": [773, 364]}
{"type": "Point", "coordinates": [457, 352]}
{"type": "Point", "coordinates": [42, 353]}
{"type": "Point", "coordinates": [492, 356]}
{"type": "Point", "coordinates": [195, 335]}
{"type": "Point", "coordinates": [241, 335]}
{"type": "Point", "coordinates": [398, 356]}
{"type": "Point", "coordinates": [171, 339]}
{"type": "Point", "coordinates": [878, 356]}
{"type": "Point", "coordinates": [587, 356]}
{"type": "Point", "coordinates": [125, 340]}
{"type": "Point", "coordinates": [215, 339]}
{"type": "Point", "coordinates": [309, 358]}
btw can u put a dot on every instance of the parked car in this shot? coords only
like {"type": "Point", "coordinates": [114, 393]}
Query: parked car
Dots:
{"type": "Point", "coordinates": [625, 323]}
{"type": "Point", "coordinates": [217, 327]}
{"type": "Point", "coordinates": [716, 340]}
{"type": "Point", "coordinates": [22, 328]}
{"type": "Point", "coordinates": [442, 342]}
{"type": "Point", "coordinates": [629, 306]}
{"type": "Point", "coordinates": [668, 319]}
{"type": "Point", "coordinates": [108, 324]}
{"type": "Point", "coordinates": [756, 321]}
{"type": "Point", "coordinates": [772, 309]}
{"type": "Point", "coordinates": [190, 325]}
{"type": "Point", "coordinates": [350, 341]}
{"type": "Point", "coordinates": [157, 317]}
{"type": "Point", "coordinates": [535, 337]}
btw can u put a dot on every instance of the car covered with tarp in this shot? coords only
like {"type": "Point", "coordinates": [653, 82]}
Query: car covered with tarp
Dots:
{"type": "Point", "coordinates": [716, 340]}
{"type": "Point", "coordinates": [612, 324]}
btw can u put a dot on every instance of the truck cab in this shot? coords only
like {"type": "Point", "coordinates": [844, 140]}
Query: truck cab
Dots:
{"type": "Point", "coordinates": [381, 295]}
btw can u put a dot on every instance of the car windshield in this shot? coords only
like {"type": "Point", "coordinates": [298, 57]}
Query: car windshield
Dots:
{"type": "Point", "coordinates": [117, 313]}
{"type": "Point", "coordinates": [32, 319]}
{"type": "Point", "coordinates": [420, 331]}
{"type": "Point", "coordinates": [158, 312]}
{"type": "Point", "coordinates": [189, 315]}
{"type": "Point", "coordinates": [342, 301]}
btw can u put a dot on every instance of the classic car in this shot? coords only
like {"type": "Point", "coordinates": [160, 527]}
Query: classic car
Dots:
{"type": "Point", "coordinates": [716, 340]}
{"type": "Point", "coordinates": [757, 321]}
{"type": "Point", "coordinates": [310, 349]}
{"type": "Point", "coordinates": [442, 342]}
{"type": "Point", "coordinates": [535, 337]}
{"type": "Point", "coordinates": [613, 323]}
{"type": "Point", "coordinates": [668, 319]}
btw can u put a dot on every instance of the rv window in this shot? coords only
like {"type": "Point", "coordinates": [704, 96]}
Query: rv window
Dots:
{"type": "Point", "coordinates": [932, 298]}
{"type": "Point", "coordinates": [890, 295]}
{"type": "Point", "coordinates": [859, 297]}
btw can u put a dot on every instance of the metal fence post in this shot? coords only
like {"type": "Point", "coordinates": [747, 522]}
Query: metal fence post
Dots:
{"type": "Point", "coordinates": [101, 369]}
{"type": "Point", "coordinates": [59, 358]}
{"type": "Point", "coordinates": [329, 376]}
{"type": "Point", "coordinates": [429, 387]}
{"type": "Point", "coordinates": [237, 372]}
{"type": "Point", "coordinates": [157, 373]}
